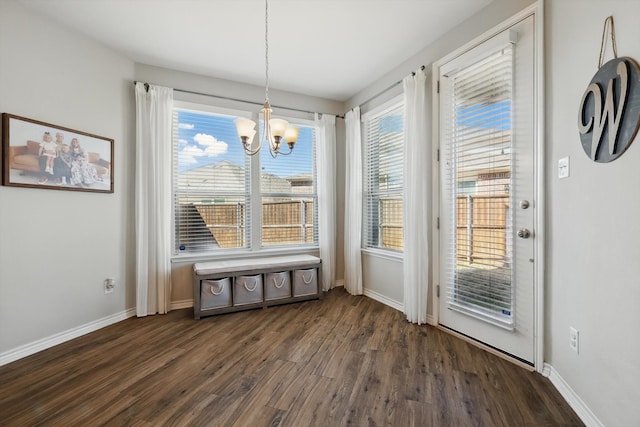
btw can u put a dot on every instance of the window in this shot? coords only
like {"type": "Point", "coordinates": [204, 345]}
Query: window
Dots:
{"type": "Point", "coordinates": [214, 188]}
{"type": "Point", "coordinates": [212, 183]}
{"type": "Point", "coordinates": [288, 193]}
{"type": "Point", "coordinates": [383, 186]}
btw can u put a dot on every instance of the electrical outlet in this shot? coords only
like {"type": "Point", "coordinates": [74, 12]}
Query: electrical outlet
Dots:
{"type": "Point", "coordinates": [109, 285]}
{"type": "Point", "coordinates": [574, 338]}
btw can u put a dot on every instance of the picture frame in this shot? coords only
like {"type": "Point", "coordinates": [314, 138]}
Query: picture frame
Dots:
{"type": "Point", "coordinates": [43, 155]}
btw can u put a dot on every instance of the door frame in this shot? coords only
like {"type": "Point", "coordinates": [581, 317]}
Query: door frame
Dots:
{"type": "Point", "coordinates": [537, 11]}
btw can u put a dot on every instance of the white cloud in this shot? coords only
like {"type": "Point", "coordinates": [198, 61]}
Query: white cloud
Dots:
{"type": "Point", "coordinates": [185, 126]}
{"type": "Point", "coordinates": [205, 139]}
{"type": "Point", "coordinates": [213, 146]}
{"type": "Point", "coordinates": [216, 150]}
{"type": "Point", "coordinates": [192, 150]}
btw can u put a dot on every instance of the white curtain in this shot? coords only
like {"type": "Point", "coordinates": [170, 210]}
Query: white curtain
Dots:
{"type": "Point", "coordinates": [154, 110]}
{"type": "Point", "coordinates": [417, 198]}
{"type": "Point", "coordinates": [353, 205]}
{"type": "Point", "coordinates": [326, 160]}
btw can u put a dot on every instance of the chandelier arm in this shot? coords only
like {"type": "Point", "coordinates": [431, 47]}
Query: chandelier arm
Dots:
{"type": "Point", "coordinates": [280, 152]}
{"type": "Point", "coordinates": [251, 151]}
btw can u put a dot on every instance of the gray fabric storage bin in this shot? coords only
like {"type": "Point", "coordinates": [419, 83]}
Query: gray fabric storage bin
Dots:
{"type": "Point", "coordinates": [277, 285]}
{"type": "Point", "coordinates": [305, 282]}
{"type": "Point", "coordinates": [215, 293]}
{"type": "Point", "coordinates": [247, 289]}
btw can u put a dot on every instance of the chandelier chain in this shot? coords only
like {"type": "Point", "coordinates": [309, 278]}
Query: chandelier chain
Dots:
{"type": "Point", "coordinates": [274, 131]}
{"type": "Point", "coordinates": [266, 48]}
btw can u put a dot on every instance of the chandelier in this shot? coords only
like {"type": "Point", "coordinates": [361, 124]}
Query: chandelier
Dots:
{"type": "Point", "coordinates": [274, 131]}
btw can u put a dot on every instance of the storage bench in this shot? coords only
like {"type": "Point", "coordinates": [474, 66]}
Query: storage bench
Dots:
{"type": "Point", "coordinates": [234, 285]}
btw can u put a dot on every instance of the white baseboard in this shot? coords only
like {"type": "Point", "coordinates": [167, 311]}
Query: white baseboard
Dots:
{"type": "Point", "coordinates": [383, 299]}
{"type": "Point", "coordinates": [577, 404]}
{"type": "Point", "coordinates": [393, 303]}
{"type": "Point", "coordinates": [340, 282]}
{"type": "Point", "coordinates": [177, 305]}
{"type": "Point", "coordinates": [45, 343]}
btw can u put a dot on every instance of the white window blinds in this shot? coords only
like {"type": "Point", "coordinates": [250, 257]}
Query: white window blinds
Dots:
{"type": "Point", "coordinates": [211, 183]}
{"type": "Point", "coordinates": [383, 186]}
{"type": "Point", "coordinates": [288, 192]}
{"type": "Point", "coordinates": [477, 187]}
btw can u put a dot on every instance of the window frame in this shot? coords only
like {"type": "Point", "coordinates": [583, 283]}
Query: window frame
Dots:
{"type": "Point", "coordinates": [254, 222]}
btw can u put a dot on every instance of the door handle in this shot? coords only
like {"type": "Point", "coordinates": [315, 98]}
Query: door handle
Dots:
{"type": "Point", "coordinates": [524, 233]}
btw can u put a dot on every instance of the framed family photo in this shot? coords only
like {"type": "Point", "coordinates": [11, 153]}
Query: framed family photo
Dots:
{"type": "Point", "coordinates": [43, 155]}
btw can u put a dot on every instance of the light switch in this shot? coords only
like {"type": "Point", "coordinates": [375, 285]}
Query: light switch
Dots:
{"type": "Point", "coordinates": [563, 167]}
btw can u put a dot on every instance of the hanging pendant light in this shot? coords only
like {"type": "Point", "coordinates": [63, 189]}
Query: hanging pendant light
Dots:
{"type": "Point", "coordinates": [274, 131]}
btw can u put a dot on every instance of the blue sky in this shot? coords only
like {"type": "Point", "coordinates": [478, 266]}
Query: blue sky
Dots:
{"type": "Point", "coordinates": [485, 115]}
{"type": "Point", "coordinates": [392, 123]}
{"type": "Point", "coordinates": [205, 139]}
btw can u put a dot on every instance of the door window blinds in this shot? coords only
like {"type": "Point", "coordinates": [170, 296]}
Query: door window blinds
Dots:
{"type": "Point", "coordinates": [477, 185]}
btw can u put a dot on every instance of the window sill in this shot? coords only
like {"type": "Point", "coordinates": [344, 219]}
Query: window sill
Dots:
{"type": "Point", "coordinates": [244, 253]}
{"type": "Point", "coordinates": [388, 255]}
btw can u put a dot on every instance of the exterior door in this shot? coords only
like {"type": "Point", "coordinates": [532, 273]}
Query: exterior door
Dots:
{"type": "Point", "coordinates": [487, 147]}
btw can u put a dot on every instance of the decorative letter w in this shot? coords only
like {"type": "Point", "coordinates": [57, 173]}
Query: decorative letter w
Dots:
{"type": "Point", "coordinates": [600, 115]}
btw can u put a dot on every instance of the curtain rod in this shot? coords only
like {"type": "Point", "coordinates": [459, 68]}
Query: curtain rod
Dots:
{"type": "Point", "coordinates": [228, 98]}
{"type": "Point", "coordinates": [388, 88]}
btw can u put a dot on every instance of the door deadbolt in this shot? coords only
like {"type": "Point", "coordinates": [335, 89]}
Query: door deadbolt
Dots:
{"type": "Point", "coordinates": [524, 233]}
{"type": "Point", "coordinates": [524, 204]}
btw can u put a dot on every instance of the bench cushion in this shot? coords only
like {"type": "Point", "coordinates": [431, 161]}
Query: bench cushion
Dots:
{"type": "Point", "coordinates": [288, 262]}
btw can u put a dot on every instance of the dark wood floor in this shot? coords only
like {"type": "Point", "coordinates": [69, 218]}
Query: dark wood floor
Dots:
{"type": "Point", "coordinates": [341, 361]}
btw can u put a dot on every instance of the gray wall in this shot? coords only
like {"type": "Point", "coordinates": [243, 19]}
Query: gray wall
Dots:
{"type": "Point", "coordinates": [57, 247]}
{"type": "Point", "coordinates": [593, 272]}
